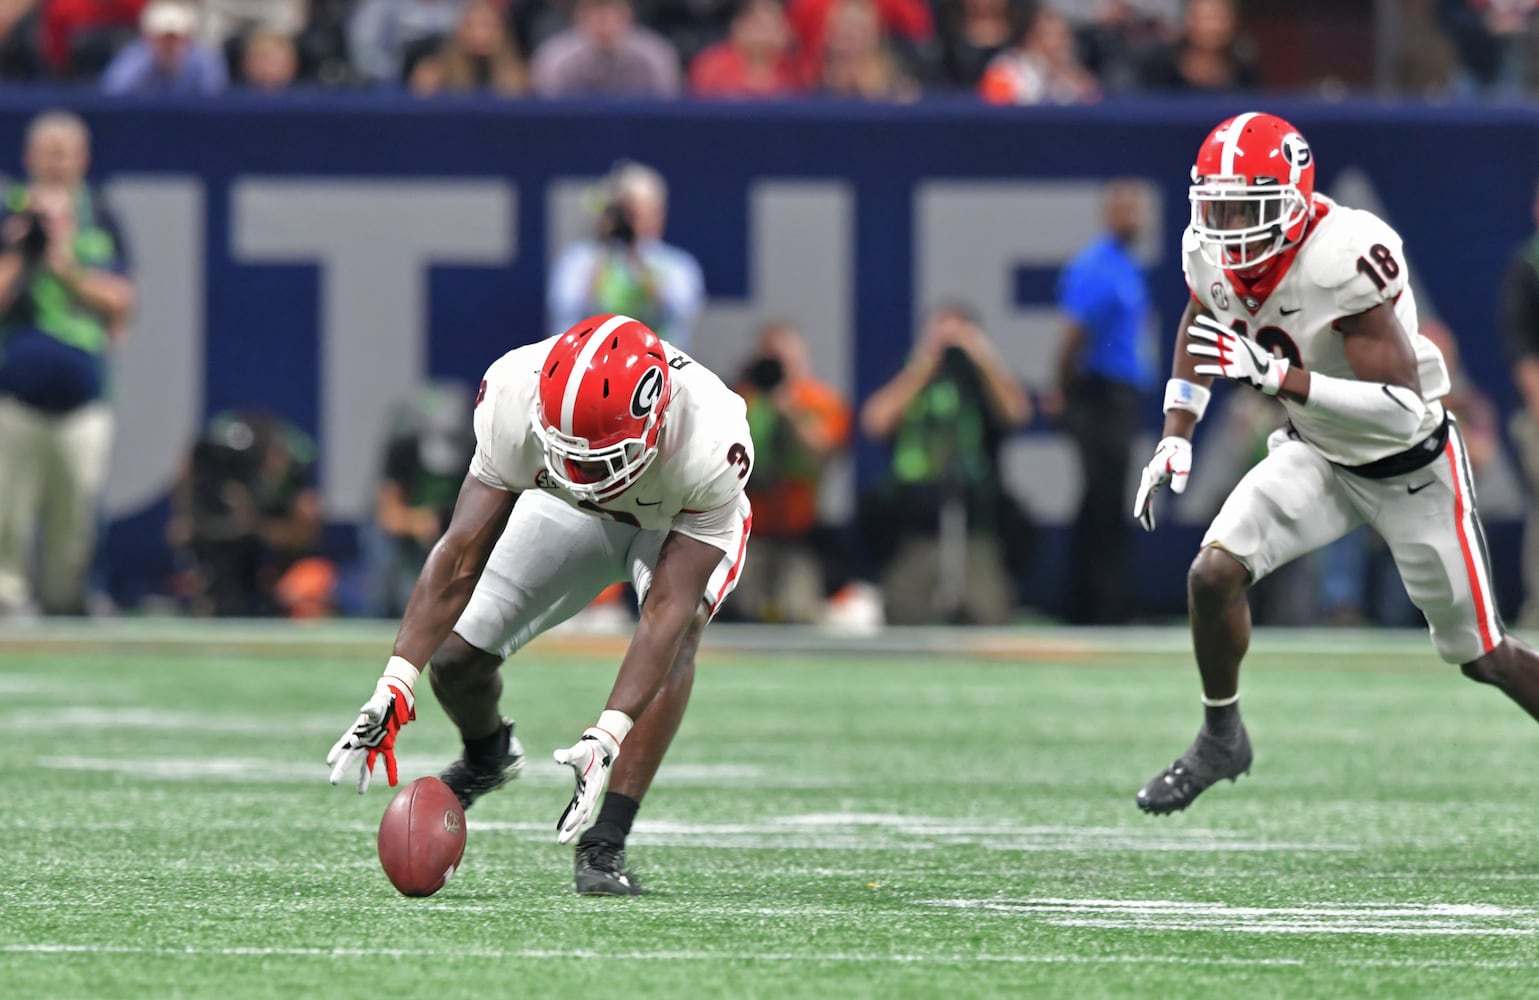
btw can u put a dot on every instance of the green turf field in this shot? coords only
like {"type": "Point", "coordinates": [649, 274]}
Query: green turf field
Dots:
{"type": "Point", "coordinates": [830, 824]}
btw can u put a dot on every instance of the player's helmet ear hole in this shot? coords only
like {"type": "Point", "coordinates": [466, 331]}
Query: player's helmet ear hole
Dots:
{"type": "Point", "coordinates": [606, 388]}
{"type": "Point", "coordinates": [553, 366]}
{"type": "Point", "coordinates": [614, 345]}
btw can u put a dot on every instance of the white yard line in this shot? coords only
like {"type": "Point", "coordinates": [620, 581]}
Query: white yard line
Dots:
{"type": "Point", "coordinates": [792, 958]}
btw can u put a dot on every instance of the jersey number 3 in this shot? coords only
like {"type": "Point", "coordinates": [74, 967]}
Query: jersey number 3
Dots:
{"type": "Point", "coordinates": [738, 455]}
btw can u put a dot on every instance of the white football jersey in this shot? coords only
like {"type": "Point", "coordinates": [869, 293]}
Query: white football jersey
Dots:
{"type": "Point", "coordinates": [1348, 262]}
{"type": "Point", "coordinates": [694, 486]}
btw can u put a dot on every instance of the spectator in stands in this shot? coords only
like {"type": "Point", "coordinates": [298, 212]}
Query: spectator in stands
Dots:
{"type": "Point", "coordinates": [798, 423]}
{"type": "Point", "coordinates": [430, 446]}
{"type": "Point", "coordinates": [1210, 55]}
{"type": "Point", "coordinates": [756, 60]}
{"type": "Point", "coordinates": [1520, 330]}
{"type": "Point", "coordinates": [971, 34]}
{"type": "Point", "coordinates": [1105, 366]}
{"type": "Point", "coordinates": [908, 21]}
{"type": "Point", "coordinates": [387, 37]}
{"type": "Point", "coordinates": [1114, 43]}
{"type": "Point", "coordinates": [268, 61]}
{"type": "Point", "coordinates": [627, 268]}
{"type": "Point", "coordinates": [245, 512]}
{"type": "Point", "coordinates": [949, 538]}
{"type": "Point", "coordinates": [606, 54]}
{"type": "Point", "coordinates": [167, 59]}
{"type": "Point", "coordinates": [227, 19]}
{"type": "Point", "coordinates": [19, 57]}
{"type": "Point", "coordinates": [1494, 43]}
{"type": "Point", "coordinates": [323, 42]}
{"type": "Point", "coordinates": [481, 56]}
{"type": "Point", "coordinates": [66, 295]}
{"type": "Point", "coordinates": [1041, 68]}
{"type": "Point", "coordinates": [858, 61]}
{"type": "Point", "coordinates": [80, 37]}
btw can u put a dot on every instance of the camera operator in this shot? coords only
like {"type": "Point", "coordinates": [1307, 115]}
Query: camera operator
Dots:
{"type": "Point", "coordinates": [797, 424]}
{"type": "Point", "coordinates": [244, 513]}
{"type": "Point", "coordinates": [627, 268]}
{"type": "Point", "coordinates": [64, 296]}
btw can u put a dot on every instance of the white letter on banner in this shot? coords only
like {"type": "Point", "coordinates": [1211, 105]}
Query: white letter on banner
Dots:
{"type": "Point", "coordinates": [374, 242]}
{"type": "Point", "coordinates": [157, 371]}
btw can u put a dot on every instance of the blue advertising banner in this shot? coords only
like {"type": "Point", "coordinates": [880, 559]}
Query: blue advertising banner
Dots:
{"type": "Point", "coordinates": [319, 256]}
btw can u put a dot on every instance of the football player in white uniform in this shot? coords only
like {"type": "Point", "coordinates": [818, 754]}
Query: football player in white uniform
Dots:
{"type": "Point", "coordinates": [1306, 300]}
{"type": "Point", "coordinates": [602, 455]}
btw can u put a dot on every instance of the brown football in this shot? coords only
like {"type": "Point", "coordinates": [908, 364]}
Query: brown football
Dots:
{"type": "Point", "coordinates": [422, 837]}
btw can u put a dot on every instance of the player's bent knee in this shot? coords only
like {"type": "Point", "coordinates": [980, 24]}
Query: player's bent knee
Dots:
{"type": "Point", "coordinates": [1216, 576]}
{"type": "Point", "coordinates": [457, 661]}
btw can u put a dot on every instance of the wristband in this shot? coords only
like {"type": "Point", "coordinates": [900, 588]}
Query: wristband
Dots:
{"type": "Point", "coordinates": [1189, 396]}
{"type": "Point", "coordinates": [616, 724]}
{"type": "Point", "coordinates": [400, 669]}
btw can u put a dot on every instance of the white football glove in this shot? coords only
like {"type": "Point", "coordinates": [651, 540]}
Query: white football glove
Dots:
{"type": "Point", "coordinates": [590, 759]}
{"type": "Point", "coordinates": [374, 732]}
{"type": "Point", "coordinates": [1237, 356]}
{"type": "Point", "coordinates": [1172, 463]}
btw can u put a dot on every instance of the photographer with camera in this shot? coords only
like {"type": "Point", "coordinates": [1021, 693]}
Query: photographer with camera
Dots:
{"type": "Point", "coordinates": [245, 515]}
{"type": "Point", "coordinates": [797, 424]}
{"type": "Point", "coordinates": [627, 268]}
{"type": "Point", "coordinates": [950, 540]}
{"type": "Point", "coordinates": [64, 296]}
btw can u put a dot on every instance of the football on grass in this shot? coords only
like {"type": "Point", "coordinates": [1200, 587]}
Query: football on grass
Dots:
{"type": "Point", "coordinates": [422, 837]}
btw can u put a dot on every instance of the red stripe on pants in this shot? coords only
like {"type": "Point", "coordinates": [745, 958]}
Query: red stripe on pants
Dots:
{"type": "Point", "coordinates": [1464, 546]}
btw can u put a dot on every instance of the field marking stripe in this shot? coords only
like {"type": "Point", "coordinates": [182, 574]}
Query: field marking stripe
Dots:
{"type": "Point", "coordinates": [706, 956]}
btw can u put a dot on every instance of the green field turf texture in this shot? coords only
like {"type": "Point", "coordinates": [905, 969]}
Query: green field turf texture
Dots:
{"type": "Point", "coordinates": [828, 825]}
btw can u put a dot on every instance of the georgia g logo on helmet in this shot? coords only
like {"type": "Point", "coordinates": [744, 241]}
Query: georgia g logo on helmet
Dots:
{"type": "Point", "coordinates": [1296, 151]}
{"type": "Point", "coordinates": [649, 391]}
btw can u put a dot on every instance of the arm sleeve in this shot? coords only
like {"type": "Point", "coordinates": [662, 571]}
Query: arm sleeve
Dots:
{"type": "Point", "coordinates": [1368, 406]}
{"type": "Point", "coordinates": [482, 465]}
{"type": "Point", "coordinates": [1361, 262]}
{"type": "Point", "coordinates": [711, 512]}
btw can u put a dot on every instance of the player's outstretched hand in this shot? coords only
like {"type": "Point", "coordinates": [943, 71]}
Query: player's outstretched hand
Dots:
{"type": "Point", "coordinates": [1234, 356]}
{"type": "Point", "coordinates": [590, 759]}
{"type": "Point", "coordinates": [373, 734]}
{"type": "Point", "coordinates": [1172, 463]}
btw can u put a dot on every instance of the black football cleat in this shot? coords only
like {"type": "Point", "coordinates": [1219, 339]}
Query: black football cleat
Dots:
{"type": "Point", "coordinates": [1205, 763]}
{"type": "Point", "coordinates": [601, 871]}
{"type": "Point", "coordinates": [471, 779]}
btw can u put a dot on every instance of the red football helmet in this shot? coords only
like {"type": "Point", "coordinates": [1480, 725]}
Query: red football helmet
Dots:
{"type": "Point", "coordinates": [1253, 189]}
{"type": "Point", "coordinates": [603, 390]}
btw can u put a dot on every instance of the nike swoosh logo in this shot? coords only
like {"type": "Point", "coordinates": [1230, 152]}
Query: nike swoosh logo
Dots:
{"type": "Point", "coordinates": [643, 503]}
{"type": "Point", "coordinates": [1290, 312]}
{"type": "Point", "coordinates": [1418, 489]}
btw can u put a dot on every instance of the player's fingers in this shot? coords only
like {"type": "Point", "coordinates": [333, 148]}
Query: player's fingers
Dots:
{"type": "Point", "coordinates": [1201, 333]}
{"type": "Point", "coordinates": [1178, 481]}
{"type": "Point", "coordinates": [390, 772]}
{"type": "Point", "coordinates": [1202, 351]}
{"type": "Point", "coordinates": [341, 762]}
{"type": "Point", "coordinates": [1212, 371]}
{"type": "Point", "coordinates": [365, 772]}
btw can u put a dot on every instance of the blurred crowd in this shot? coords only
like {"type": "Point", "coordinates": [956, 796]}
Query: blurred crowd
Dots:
{"type": "Point", "coordinates": [1004, 51]}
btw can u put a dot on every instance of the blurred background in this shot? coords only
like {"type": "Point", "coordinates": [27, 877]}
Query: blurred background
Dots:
{"type": "Point", "coordinates": [257, 254]}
